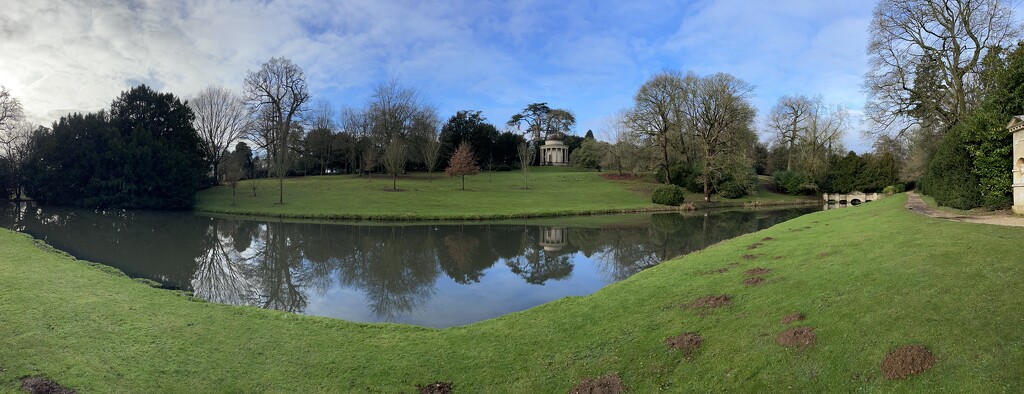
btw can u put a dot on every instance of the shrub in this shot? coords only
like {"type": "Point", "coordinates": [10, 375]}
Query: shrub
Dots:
{"type": "Point", "coordinates": [668, 195]}
{"type": "Point", "coordinates": [791, 182]}
{"type": "Point", "coordinates": [890, 190]}
{"type": "Point", "coordinates": [683, 175]}
{"type": "Point", "coordinates": [738, 185]}
{"type": "Point", "coordinates": [950, 177]}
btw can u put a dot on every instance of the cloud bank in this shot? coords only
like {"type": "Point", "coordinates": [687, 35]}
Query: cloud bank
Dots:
{"type": "Point", "coordinates": [587, 56]}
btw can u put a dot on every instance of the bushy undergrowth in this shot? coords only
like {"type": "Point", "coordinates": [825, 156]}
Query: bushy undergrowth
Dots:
{"type": "Point", "coordinates": [668, 195]}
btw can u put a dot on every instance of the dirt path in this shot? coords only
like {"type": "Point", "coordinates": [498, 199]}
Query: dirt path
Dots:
{"type": "Point", "coordinates": [999, 218]}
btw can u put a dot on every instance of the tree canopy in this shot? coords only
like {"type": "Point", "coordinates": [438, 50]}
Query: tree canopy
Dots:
{"type": "Point", "coordinates": [143, 153]}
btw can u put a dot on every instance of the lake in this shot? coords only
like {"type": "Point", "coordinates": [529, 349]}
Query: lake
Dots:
{"type": "Point", "coordinates": [430, 274]}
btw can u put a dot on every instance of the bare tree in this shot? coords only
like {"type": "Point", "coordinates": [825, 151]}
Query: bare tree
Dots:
{"type": "Point", "coordinates": [525, 158]}
{"type": "Point", "coordinates": [15, 149]}
{"type": "Point", "coordinates": [426, 126]}
{"type": "Point", "coordinates": [821, 138]}
{"type": "Point", "coordinates": [431, 151]}
{"type": "Point", "coordinates": [716, 109]}
{"type": "Point", "coordinates": [10, 110]}
{"type": "Point", "coordinates": [395, 158]}
{"type": "Point", "coordinates": [787, 120]}
{"type": "Point", "coordinates": [234, 170]}
{"type": "Point", "coordinates": [278, 89]}
{"type": "Point", "coordinates": [221, 119]}
{"type": "Point", "coordinates": [925, 56]}
{"type": "Point", "coordinates": [392, 110]}
{"type": "Point", "coordinates": [14, 137]}
{"type": "Point", "coordinates": [358, 123]}
{"type": "Point", "coordinates": [320, 139]}
{"type": "Point", "coordinates": [656, 113]}
{"type": "Point", "coordinates": [255, 177]}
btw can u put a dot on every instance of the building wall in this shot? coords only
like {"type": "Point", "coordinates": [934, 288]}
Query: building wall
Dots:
{"type": "Point", "coordinates": [1018, 175]}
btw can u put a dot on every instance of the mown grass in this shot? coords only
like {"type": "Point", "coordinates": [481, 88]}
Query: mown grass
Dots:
{"type": "Point", "coordinates": [868, 278]}
{"type": "Point", "coordinates": [552, 191]}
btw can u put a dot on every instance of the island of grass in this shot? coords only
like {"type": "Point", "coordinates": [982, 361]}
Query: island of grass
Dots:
{"type": "Point", "coordinates": [867, 298]}
{"type": "Point", "coordinates": [553, 191]}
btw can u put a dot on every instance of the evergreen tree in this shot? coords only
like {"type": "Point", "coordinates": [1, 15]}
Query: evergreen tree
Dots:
{"type": "Point", "coordinates": [144, 154]}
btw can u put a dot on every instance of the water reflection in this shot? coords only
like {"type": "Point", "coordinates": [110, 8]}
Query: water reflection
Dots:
{"type": "Point", "coordinates": [435, 275]}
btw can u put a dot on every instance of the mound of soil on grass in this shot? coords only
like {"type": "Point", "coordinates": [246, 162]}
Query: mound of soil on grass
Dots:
{"type": "Point", "coordinates": [757, 271]}
{"type": "Point", "coordinates": [749, 257]}
{"type": "Point", "coordinates": [766, 239]}
{"type": "Point", "coordinates": [438, 387]}
{"type": "Point", "coordinates": [798, 337]}
{"type": "Point", "coordinates": [617, 177]}
{"type": "Point", "coordinates": [755, 245]}
{"type": "Point", "coordinates": [41, 385]}
{"type": "Point", "coordinates": [757, 280]}
{"type": "Point", "coordinates": [906, 361]}
{"type": "Point", "coordinates": [688, 343]}
{"type": "Point", "coordinates": [823, 254]}
{"type": "Point", "coordinates": [607, 384]}
{"type": "Point", "coordinates": [792, 317]}
{"type": "Point", "coordinates": [712, 301]}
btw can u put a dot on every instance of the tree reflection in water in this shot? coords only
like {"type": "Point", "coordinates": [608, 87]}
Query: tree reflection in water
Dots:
{"type": "Point", "coordinates": [395, 267]}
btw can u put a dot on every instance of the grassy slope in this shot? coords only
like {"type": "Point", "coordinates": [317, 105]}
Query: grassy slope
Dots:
{"type": "Point", "coordinates": [553, 191]}
{"type": "Point", "coordinates": [890, 278]}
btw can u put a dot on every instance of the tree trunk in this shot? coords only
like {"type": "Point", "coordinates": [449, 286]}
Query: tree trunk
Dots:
{"type": "Point", "coordinates": [280, 187]}
{"type": "Point", "coordinates": [707, 182]}
{"type": "Point", "coordinates": [394, 181]}
{"type": "Point", "coordinates": [668, 174]}
{"type": "Point", "coordinates": [463, 182]}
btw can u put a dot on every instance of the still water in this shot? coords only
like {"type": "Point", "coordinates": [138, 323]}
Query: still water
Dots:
{"type": "Point", "coordinates": [432, 274]}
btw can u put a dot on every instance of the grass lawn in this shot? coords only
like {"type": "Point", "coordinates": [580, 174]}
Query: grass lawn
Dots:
{"type": "Point", "coordinates": [553, 191]}
{"type": "Point", "coordinates": [868, 279]}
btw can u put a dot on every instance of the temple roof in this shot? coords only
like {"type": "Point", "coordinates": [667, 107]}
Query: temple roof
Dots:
{"type": "Point", "coordinates": [1016, 124]}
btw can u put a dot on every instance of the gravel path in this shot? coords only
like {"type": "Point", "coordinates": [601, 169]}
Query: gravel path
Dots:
{"type": "Point", "coordinates": [999, 218]}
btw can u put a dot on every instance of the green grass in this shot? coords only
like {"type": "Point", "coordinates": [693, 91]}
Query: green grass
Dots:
{"type": "Point", "coordinates": [552, 192]}
{"type": "Point", "coordinates": [890, 277]}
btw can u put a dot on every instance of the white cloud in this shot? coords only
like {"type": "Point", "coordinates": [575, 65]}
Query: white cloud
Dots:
{"type": "Point", "coordinates": [78, 55]}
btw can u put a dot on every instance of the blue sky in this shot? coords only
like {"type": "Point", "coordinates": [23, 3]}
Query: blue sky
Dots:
{"type": "Point", "coordinates": [586, 56]}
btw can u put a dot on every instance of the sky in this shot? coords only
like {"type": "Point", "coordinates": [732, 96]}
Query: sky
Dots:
{"type": "Point", "coordinates": [494, 56]}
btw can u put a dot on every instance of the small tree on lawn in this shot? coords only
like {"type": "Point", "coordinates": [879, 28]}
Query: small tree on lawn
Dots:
{"type": "Point", "coordinates": [394, 159]}
{"type": "Point", "coordinates": [232, 169]}
{"type": "Point", "coordinates": [525, 158]}
{"type": "Point", "coordinates": [431, 151]}
{"type": "Point", "coordinates": [462, 163]}
{"type": "Point", "coordinates": [255, 175]}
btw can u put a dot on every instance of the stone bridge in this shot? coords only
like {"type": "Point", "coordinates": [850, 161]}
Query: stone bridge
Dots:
{"type": "Point", "coordinates": [852, 198]}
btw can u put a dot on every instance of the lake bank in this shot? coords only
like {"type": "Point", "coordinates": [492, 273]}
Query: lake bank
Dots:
{"type": "Point", "coordinates": [552, 192]}
{"type": "Point", "coordinates": [868, 279]}
{"type": "Point", "coordinates": [435, 274]}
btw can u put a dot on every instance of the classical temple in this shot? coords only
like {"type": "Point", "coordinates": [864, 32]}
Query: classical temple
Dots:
{"type": "Point", "coordinates": [554, 152]}
{"type": "Point", "coordinates": [1016, 127]}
